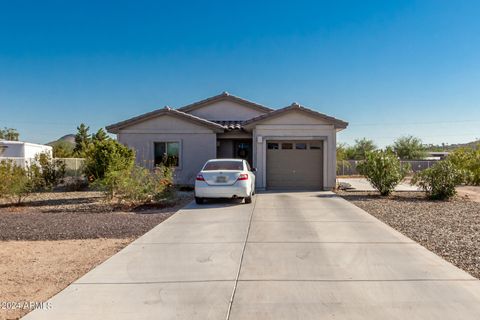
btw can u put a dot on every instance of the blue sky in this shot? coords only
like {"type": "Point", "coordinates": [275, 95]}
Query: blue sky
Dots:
{"type": "Point", "coordinates": [389, 68]}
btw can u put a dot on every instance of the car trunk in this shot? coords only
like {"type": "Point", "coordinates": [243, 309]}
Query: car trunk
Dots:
{"type": "Point", "coordinates": [220, 177]}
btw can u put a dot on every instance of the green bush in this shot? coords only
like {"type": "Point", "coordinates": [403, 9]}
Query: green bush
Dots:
{"type": "Point", "coordinates": [16, 182]}
{"type": "Point", "coordinates": [383, 170]}
{"type": "Point", "coordinates": [48, 171]}
{"type": "Point", "coordinates": [468, 161]}
{"type": "Point", "coordinates": [440, 180]}
{"type": "Point", "coordinates": [102, 154]}
{"type": "Point", "coordinates": [137, 184]}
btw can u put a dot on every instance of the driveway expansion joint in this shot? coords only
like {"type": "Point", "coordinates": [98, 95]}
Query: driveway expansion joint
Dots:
{"type": "Point", "coordinates": [241, 261]}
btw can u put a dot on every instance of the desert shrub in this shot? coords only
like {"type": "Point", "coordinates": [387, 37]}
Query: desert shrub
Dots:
{"type": "Point", "coordinates": [383, 170]}
{"type": "Point", "coordinates": [16, 182]}
{"type": "Point", "coordinates": [137, 184]}
{"type": "Point", "coordinates": [48, 171]}
{"type": "Point", "coordinates": [467, 160]}
{"type": "Point", "coordinates": [440, 180]}
{"type": "Point", "coordinates": [103, 155]}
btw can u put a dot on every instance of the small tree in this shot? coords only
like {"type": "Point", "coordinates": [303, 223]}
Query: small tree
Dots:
{"type": "Point", "coordinates": [409, 148]}
{"type": "Point", "coordinates": [82, 140]}
{"type": "Point", "coordinates": [62, 149]}
{"type": "Point", "coordinates": [102, 154]}
{"type": "Point", "coordinates": [16, 182]}
{"type": "Point", "coordinates": [467, 160]}
{"type": "Point", "coordinates": [383, 170]}
{"type": "Point", "coordinates": [342, 156]}
{"type": "Point", "coordinates": [9, 134]}
{"type": "Point", "coordinates": [360, 149]}
{"type": "Point", "coordinates": [100, 135]}
{"type": "Point", "coordinates": [440, 180]}
{"type": "Point", "coordinates": [50, 171]}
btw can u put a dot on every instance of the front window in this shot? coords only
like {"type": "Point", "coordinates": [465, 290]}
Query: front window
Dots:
{"type": "Point", "coordinates": [223, 165]}
{"type": "Point", "coordinates": [167, 154]}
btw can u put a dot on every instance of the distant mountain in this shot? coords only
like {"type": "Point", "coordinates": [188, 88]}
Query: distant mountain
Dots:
{"type": "Point", "coordinates": [69, 138]}
{"type": "Point", "coordinates": [450, 147]}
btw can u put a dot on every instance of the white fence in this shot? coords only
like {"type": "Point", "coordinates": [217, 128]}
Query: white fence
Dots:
{"type": "Point", "coordinates": [349, 167]}
{"type": "Point", "coordinates": [73, 166]}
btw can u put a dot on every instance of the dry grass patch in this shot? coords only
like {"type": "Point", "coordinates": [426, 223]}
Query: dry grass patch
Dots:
{"type": "Point", "coordinates": [36, 270]}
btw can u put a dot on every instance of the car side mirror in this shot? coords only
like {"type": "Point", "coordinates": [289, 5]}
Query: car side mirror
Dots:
{"type": "Point", "coordinates": [254, 169]}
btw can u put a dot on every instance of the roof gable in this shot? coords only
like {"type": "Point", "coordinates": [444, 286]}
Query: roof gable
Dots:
{"type": "Point", "coordinates": [224, 96]}
{"type": "Point", "coordinates": [295, 107]}
{"type": "Point", "coordinates": [114, 128]}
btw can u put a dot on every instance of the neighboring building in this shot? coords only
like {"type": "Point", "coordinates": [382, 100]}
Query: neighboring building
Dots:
{"type": "Point", "coordinates": [436, 155]}
{"type": "Point", "coordinates": [292, 148]}
{"type": "Point", "coordinates": [21, 152]}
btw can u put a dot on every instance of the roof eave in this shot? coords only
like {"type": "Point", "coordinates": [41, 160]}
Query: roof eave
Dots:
{"type": "Point", "coordinates": [115, 128]}
{"type": "Point", "coordinates": [337, 123]}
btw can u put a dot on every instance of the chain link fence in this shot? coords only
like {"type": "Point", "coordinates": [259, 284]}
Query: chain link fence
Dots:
{"type": "Point", "coordinates": [349, 167]}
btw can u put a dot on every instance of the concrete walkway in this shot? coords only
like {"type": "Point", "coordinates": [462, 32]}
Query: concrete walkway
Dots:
{"type": "Point", "coordinates": [305, 255]}
{"type": "Point", "coordinates": [362, 184]}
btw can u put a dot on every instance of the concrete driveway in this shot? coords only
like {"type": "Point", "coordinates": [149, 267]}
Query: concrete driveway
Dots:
{"type": "Point", "coordinates": [304, 255]}
{"type": "Point", "coordinates": [362, 184]}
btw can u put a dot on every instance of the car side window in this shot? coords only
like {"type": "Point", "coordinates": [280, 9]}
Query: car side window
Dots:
{"type": "Point", "coordinates": [248, 166]}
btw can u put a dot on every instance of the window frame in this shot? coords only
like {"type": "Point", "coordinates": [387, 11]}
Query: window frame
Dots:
{"type": "Point", "coordinates": [180, 162]}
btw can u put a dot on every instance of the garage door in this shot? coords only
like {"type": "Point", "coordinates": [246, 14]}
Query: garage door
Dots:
{"type": "Point", "coordinates": [295, 164]}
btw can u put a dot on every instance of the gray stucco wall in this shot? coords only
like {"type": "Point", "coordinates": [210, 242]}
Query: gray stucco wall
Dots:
{"type": "Point", "coordinates": [197, 144]}
{"type": "Point", "coordinates": [195, 150]}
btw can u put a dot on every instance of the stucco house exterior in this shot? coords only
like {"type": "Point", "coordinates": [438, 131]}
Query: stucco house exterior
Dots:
{"type": "Point", "coordinates": [292, 148]}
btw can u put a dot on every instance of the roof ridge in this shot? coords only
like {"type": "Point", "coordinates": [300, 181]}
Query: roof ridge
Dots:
{"type": "Point", "coordinates": [224, 95]}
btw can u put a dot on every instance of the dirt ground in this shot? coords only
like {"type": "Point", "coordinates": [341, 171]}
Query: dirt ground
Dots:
{"type": "Point", "coordinates": [56, 237]}
{"type": "Point", "coordinates": [470, 192]}
{"type": "Point", "coordinates": [451, 229]}
{"type": "Point", "coordinates": [36, 270]}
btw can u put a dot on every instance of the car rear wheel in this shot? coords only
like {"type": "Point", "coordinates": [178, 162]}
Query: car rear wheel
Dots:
{"type": "Point", "coordinates": [248, 199]}
{"type": "Point", "coordinates": [199, 200]}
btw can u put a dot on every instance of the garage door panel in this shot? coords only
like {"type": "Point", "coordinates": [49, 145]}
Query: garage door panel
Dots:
{"type": "Point", "coordinates": [295, 169]}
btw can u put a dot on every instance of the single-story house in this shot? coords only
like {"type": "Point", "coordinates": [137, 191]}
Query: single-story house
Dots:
{"type": "Point", "coordinates": [291, 148]}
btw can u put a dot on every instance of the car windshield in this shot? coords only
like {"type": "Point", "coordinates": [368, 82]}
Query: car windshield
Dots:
{"type": "Point", "coordinates": [223, 165]}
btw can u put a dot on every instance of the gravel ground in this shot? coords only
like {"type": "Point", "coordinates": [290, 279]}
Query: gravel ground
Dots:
{"type": "Point", "coordinates": [451, 229]}
{"type": "Point", "coordinates": [81, 230]}
{"type": "Point", "coordinates": [36, 270]}
{"type": "Point", "coordinates": [78, 215]}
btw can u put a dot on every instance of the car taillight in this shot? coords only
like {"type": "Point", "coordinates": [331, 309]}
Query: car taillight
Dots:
{"type": "Point", "coordinates": [200, 177]}
{"type": "Point", "coordinates": [243, 176]}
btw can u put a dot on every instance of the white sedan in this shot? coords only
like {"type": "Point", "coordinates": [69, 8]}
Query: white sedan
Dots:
{"type": "Point", "coordinates": [225, 178]}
